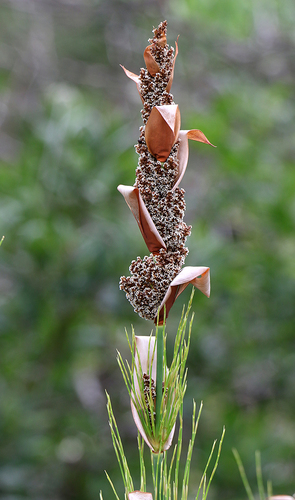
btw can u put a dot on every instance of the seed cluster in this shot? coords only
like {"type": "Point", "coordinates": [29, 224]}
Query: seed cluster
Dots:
{"type": "Point", "coordinates": [149, 392]}
{"type": "Point", "coordinates": [151, 276]}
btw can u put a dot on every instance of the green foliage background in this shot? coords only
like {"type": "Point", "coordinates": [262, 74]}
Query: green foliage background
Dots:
{"type": "Point", "coordinates": [69, 119]}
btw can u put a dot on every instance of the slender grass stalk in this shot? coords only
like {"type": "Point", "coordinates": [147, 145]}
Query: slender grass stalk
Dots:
{"type": "Point", "coordinates": [204, 476]}
{"type": "Point", "coordinates": [157, 467]}
{"type": "Point", "coordinates": [195, 424]}
{"type": "Point", "coordinates": [140, 442]}
{"type": "Point", "coordinates": [179, 446]}
{"type": "Point", "coordinates": [216, 462]}
{"type": "Point", "coordinates": [204, 486]}
{"type": "Point", "coordinates": [203, 483]}
{"type": "Point", "coordinates": [259, 475]}
{"type": "Point", "coordinates": [243, 474]}
{"type": "Point", "coordinates": [269, 488]}
{"type": "Point", "coordinates": [118, 447]}
{"type": "Point", "coordinates": [113, 487]}
{"type": "Point", "coordinates": [168, 495]}
{"type": "Point", "coordinates": [159, 382]}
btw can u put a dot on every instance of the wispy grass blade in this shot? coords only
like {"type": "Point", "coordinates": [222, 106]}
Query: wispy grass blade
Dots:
{"type": "Point", "coordinates": [243, 474]}
{"type": "Point", "coordinates": [140, 442]}
{"type": "Point", "coordinates": [259, 475]}
{"type": "Point", "coordinates": [112, 486]}
{"type": "Point", "coordinates": [269, 488]}
{"type": "Point", "coordinates": [118, 447]}
{"type": "Point", "coordinates": [195, 423]}
{"type": "Point", "coordinates": [216, 462]}
{"type": "Point", "coordinates": [203, 478]}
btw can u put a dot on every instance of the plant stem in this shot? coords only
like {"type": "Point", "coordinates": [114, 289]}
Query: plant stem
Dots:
{"type": "Point", "coordinates": [157, 460]}
{"type": "Point", "coordinates": [159, 381]}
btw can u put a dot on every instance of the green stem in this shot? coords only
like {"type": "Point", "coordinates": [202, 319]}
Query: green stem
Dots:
{"type": "Point", "coordinates": [157, 465]}
{"type": "Point", "coordinates": [159, 382]}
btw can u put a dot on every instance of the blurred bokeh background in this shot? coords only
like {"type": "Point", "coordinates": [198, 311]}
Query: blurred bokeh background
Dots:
{"type": "Point", "coordinates": [69, 120]}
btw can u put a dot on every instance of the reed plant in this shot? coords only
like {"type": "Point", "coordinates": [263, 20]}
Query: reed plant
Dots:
{"type": "Point", "coordinates": [157, 202]}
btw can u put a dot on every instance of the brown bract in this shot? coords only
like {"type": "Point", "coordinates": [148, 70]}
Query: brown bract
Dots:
{"type": "Point", "coordinates": [145, 223]}
{"type": "Point", "coordinates": [135, 78]}
{"type": "Point", "coordinates": [150, 62]}
{"type": "Point", "coordinates": [161, 130]}
{"type": "Point", "coordinates": [154, 69]}
{"type": "Point", "coordinates": [168, 88]}
{"type": "Point", "coordinates": [182, 156]}
{"type": "Point", "coordinates": [198, 276]}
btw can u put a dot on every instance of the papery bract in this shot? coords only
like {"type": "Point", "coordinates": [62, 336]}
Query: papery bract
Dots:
{"type": "Point", "coordinates": [281, 497]}
{"type": "Point", "coordinates": [135, 78]}
{"type": "Point", "coordinates": [145, 223]}
{"type": "Point", "coordinates": [168, 88]}
{"type": "Point", "coordinates": [161, 130]}
{"type": "Point", "coordinates": [150, 62]}
{"type": "Point", "coordinates": [139, 495]}
{"type": "Point", "coordinates": [197, 276]}
{"type": "Point", "coordinates": [183, 136]}
{"type": "Point", "coordinates": [145, 363]}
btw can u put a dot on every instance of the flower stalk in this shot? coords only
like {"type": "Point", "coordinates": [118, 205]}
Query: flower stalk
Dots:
{"type": "Point", "coordinates": [157, 202]}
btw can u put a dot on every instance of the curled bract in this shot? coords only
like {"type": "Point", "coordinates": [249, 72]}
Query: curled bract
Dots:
{"type": "Point", "coordinates": [145, 366]}
{"type": "Point", "coordinates": [135, 78]}
{"type": "Point", "coordinates": [162, 129]}
{"type": "Point", "coordinates": [198, 276]}
{"type": "Point", "coordinates": [154, 67]}
{"type": "Point", "coordinates": [168, 88]}
{"type": "Point", "coordinates": [145, 223]}
{"type": "Point", "coordinates": [151, 64]}
{"type": "Point", "coordinates": [183, 136]}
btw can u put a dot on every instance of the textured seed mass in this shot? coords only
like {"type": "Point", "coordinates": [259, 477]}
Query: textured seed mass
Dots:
{"type": "Point", "coordinates": [151, 276]}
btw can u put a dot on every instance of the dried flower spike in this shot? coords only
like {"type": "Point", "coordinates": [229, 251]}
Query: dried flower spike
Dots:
{"type": "Point", "coordinates": [156, 200]}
